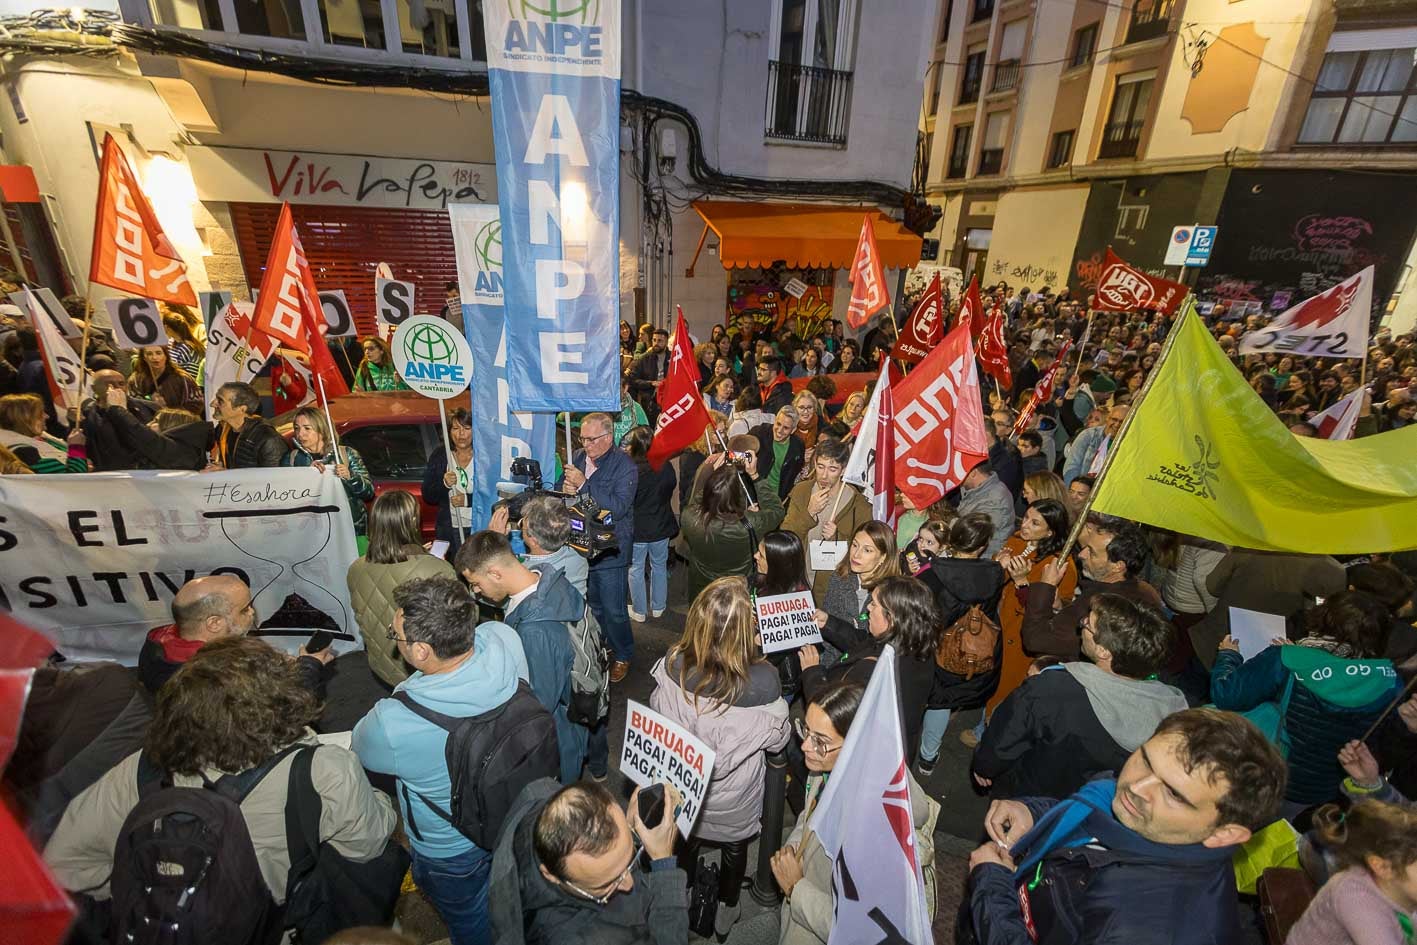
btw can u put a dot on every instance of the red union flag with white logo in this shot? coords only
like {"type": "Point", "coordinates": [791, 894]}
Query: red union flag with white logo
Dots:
{"type": "Point", "coordinates": [1124, 288]}
{"type": "Point", "coordinates": [939, 422]}
{"type": "Point", "coordinates": [925, 327]}
{"type": "Point", "coordinates": [971, 309]}
{"type": "Point", "coordinates": [867, 277]}
{"type": "Point", "coordinates": [872, 460]}
{"type": "Point", "coordinates": [683, 416]}
{"type": "Point", "coordinates": [131, 253]}
{"type": "Point", "coordinates": [1332, 324]}
{"type": "Point", "coordinates": [1043, 390]}
{"type": "Point", "coordinates": [994, 349]}
{"type": "Point", "coordinates": [865, 822]}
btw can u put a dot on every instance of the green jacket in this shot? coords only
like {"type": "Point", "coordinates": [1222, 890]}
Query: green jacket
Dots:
{"type": "Point", "coordinates": [359, 486]}
{"type": "Point", "coordinates": [719, 548]}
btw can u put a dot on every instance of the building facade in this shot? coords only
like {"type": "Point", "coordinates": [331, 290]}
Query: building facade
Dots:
{"type": "Point", "coordinates": [1059, 129]}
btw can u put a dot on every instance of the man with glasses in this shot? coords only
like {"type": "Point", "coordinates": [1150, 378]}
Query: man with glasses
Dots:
{"type": "Point", "coordinates": [570, 867]}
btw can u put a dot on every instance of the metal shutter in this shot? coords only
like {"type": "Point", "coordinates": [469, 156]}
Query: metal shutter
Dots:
{"type": "Point", "coordinates": [344, 244]}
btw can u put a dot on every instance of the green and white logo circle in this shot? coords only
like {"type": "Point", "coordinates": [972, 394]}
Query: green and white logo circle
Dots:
{"type": "Point", "coordinates": [557, 11]}
{"type": "Point", "coordinates": [432, 357]}
{"type": "Point", "coordinates": [487, 245]}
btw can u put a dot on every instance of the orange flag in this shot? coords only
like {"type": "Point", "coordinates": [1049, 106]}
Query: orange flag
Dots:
{"type": "Point", "coordinates": [130, 251]}
{"type": "Point", "coordinates": [867, 278]}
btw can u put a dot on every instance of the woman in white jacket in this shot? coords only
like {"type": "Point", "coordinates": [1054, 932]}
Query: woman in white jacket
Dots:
{"type": "Point", "coordinates": [715, 683]}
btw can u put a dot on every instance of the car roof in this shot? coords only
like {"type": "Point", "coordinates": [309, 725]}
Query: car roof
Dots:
{"type": "Point", "coordinates": [381, 408]}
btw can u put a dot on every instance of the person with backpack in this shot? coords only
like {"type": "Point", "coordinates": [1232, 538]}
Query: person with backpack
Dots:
{"type": "Point", "coordinates": [194, 830]}
{"type": "Point", "coordinates": [543, 608]}
{"type": "Point", "coordinates": [463, 737]}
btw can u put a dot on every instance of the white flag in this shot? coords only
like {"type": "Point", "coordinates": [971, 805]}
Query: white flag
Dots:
{"type": "Point", "coordinates": [861, 467]}
{"type": "Point", "coordinates": [236, 350]}
{"type": "Point", "coordinates": [1338, 421]}
{"type": "Point", "coordinates": [68, 381]}
{"type": "Point", "coordinates": [1332, 324]}
{"type": "Point", "coordinates": [865, 824]}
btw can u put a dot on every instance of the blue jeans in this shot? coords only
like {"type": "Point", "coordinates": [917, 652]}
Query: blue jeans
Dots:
{"type": "Point", "coordinates": [607, 589]}
{"type": "Point", "coordinates": [457, 887]}
{"type": "Point", "coordinates": [658, 554]}
{"type": "Point", "coordinates": [932, 732]}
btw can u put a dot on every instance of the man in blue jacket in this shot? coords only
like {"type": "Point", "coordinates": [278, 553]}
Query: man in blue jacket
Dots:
{"type": "Point", "coordinates": [434, 629]}
{"type": "Point", "coordinates": [542, 607]}
{"type": "Point", "coordinates": [1140, 860]}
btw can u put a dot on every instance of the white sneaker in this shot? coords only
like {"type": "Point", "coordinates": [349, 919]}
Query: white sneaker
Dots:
{"type": "Point", "coordinates": [656, 614]}
{"type": "Point", "coordinates": [637, 618]}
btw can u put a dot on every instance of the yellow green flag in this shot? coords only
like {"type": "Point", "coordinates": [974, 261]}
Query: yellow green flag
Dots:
{"type": "Point", "coordinates": [1202, 455]}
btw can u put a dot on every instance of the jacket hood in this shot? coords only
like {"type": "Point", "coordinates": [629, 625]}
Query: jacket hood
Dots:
{"type": "Point", "coordinates": [479, 685]}
{"type": "Point", "coordinates": [764, 684]}
{"type": "Point", "coordinates": [1129, 709]}
{"type": "Point", "coordinates": [972, 580]}
{"type": "Point", "coordinates": [1346, 683]}
{"type": "Point", "coordinates": [553, 599]}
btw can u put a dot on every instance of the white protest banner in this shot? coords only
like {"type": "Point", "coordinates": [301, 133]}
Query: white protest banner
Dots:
{"type": "Point", "coordinates": [393, 303]}
{"type": "Point", "coordinates": [49, 304]}
{"type": "Point", "coordinates": [657, 749]}
{"type": "Point", "coordinates": [94, 560]}
{"type": "Point", "coordinates": [136, 323]}
{"type": "Point", "coordinates": [1332, 324]}
{"type": "Point", "coordinates": [68, 381]}
{"type": "Point", "coordinates": [236, 351]}
{"type": "Point", "coordinates": [787, 621]}
{"type": "Point", "coordinates": [337, 314]}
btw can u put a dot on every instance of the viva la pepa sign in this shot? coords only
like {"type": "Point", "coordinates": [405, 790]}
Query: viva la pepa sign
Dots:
{"type": "Point", "coordinates": [554, 70]}
{"type": "Point", "coordinates": [432, 357]}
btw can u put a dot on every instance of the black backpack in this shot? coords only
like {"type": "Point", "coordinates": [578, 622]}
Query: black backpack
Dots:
{"type": "Point", "coordinates": [490, 757]}
{"type": "Point", "coordinates": [184, 868]}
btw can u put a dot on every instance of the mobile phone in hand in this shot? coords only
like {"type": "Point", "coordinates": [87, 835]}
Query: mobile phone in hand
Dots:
{"type": "Point", "coordinates": [319, 640]}
{"type": "Point", "coordinates": [651, 801]}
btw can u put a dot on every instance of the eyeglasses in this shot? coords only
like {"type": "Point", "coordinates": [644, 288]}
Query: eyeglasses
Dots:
{"type": "Point", "coordinates": [611, 887]}
{"type": "Point", "coordinates": [598, 436]}
{"type": "Point", "coordinates": [389, 632]}
{"type": "Point", "coordinates": [818, 742]}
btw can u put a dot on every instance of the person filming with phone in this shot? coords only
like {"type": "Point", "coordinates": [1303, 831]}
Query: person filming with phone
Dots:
{"type": "Point", "coordinates": [571, 866]}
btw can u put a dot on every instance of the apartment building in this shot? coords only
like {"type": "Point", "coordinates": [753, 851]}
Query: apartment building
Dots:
{"type": "Point", "coordinates": [1057, 128]}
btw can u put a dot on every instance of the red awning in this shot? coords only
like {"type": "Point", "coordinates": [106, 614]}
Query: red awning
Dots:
{"type": "Point", "coordinates": [17, 184]}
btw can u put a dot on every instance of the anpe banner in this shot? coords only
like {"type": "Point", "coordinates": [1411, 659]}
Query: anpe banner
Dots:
{"type": "Point", "coordinates": [499, 434]}
{"type": "Point", "coordinates": [555, 80]}
{"type": "Point", "coordinates": [93, 561]}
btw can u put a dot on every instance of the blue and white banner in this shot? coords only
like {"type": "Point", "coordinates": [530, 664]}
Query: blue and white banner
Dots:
{"type": "Point", "coordinates": [499, 434]}
{"type": "Point", "coordinates": [554, 67]}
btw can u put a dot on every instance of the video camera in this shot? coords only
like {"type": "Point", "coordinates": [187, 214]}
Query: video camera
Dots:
{"type": "Point", "coordinates": [592, 528]}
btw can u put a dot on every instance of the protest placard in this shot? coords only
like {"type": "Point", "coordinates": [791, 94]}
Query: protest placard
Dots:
{"type": "Point", "coordinates": [787, 621]}
{"type": "Point", "coordinates": [657, 749]}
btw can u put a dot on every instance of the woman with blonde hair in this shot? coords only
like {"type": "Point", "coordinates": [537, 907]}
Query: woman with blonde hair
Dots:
{"type": "Point", "coordinates": [315, 447]}
{"type": "Point", "coordinates": [22, 431]}
{"type": "Point", "coordinates": [715, 683]}
{"type": "Point", "coordinates": [1043, 485]}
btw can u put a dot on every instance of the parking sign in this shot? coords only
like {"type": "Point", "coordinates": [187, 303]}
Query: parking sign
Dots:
{"type": "Point", "coordinates": [1202, 243]}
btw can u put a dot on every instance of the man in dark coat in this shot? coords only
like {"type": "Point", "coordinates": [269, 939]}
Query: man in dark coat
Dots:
{"type": "Point", "coordinates": [247, 440]}
{"type": "Point", "coordinates": [108, 448]}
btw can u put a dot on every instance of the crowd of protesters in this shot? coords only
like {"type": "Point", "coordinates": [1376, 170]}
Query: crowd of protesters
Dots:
{"type": "Point", "coordinates": [1129, 753]}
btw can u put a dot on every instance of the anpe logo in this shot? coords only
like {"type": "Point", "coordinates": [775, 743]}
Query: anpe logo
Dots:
{"type": "Point", "coordinates": [558, 10]}
{"type": "Point", "coordinates": [563, 29]}
{"type": "Point", "coordinates": [487, 251]}
{"type": "Point", "coordinates": [431, 355]}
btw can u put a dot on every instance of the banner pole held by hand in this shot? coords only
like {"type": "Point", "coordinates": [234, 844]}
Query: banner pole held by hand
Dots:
{"type": "Point", "coordinates": [1401, 696]}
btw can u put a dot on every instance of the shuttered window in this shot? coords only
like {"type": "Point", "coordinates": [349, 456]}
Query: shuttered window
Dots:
{"type": "Point", "coordinates": [344, 244]}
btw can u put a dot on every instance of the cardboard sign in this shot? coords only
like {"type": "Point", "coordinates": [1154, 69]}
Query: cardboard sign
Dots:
{"type": "Point", "coordinates": [825, 555]}
{"type": "Point", "coordinates": [656, 749]}
{"type": "Point", "coordinates": [212, 305]}
{"type": "Point", "coordinates": [137, 323]}
{"type": "Point", "coordinates": [787, 621]}
{"type": "Point", "coordinates": [393, 303]}
{"type": "Point", "coordinates": [337, 314]}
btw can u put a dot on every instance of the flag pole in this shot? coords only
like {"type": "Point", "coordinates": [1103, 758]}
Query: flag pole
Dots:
{"type": "Point", "coordinates": [1146, 386]}
{"type": "Point", "coordinates": [1082, 345]}
{"type": "Point", "coordinates": [325, 402]}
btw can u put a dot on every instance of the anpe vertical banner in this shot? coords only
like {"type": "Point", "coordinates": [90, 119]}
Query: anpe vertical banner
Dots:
{"type": "Point", "coordinates": [499, 434]}
{"type": "Point", "coordinates": [554, 67]}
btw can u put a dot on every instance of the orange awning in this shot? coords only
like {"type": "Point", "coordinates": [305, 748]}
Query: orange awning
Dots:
{"type": "Point", "coordinates": [805, 236]}
{"type": "Point", "coordinates": [17, 184]}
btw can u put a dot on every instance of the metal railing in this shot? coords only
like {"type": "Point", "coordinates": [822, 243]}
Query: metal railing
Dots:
{"type": "Point", "coordinates": [807, 103]}
{"type": "Point", "coordinates": [1150, 19]}
{"type": "Point", "coordinates": [1120, 139]}
{"type": "Point", "coordinates": [1005, 75]}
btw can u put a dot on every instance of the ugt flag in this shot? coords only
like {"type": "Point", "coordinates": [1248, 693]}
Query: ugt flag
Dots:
{"type": "Point", "coordinates": [866, 824]}
{"type": "Point", "coordinates": [1124, 288]}
{"type": "Point", "coordinates": [499, 434]}
{"type": "Point", "coordinates": [939, 422]}
{"type": "Point", "coordinates": [1332, 324]}
{"type": "Point", "coordinates": [554, 67]}
{"type": "Point", "coordinates": [683, 416]}
{"type": "Point", "coordinates": [925, 326]}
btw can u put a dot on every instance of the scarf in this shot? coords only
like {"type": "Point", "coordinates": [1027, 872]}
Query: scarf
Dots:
{"type": "Point", "coordinates": [45, 445]}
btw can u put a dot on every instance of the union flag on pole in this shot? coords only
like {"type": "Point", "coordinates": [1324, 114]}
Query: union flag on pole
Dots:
{"type": "Point", "coordinates": [289, 309]}
{"type": "Point", "coordinates": [1332, 324]}
{"type": "Point", "coordinates": [867, 277]}
{"type": "Point", "coordinates": [682, 414]}
{"type": "Point", "coordinates": [1339, 421]}
{"type": "Point", "coordinates": [971, 310]}
{"type": "Point", "coordinates": [994, 350]}
{"type": "Point", "coordinates": [1124, 288]}
{"type": "Point", "coordinates": [1043, 390]}
{"type": "Point", "coordinates": [925, 327]}
{"type": "Point", "coordinates": [130, 251]}
{"type": "Point", "coordinates": [872, 460]}
{"type": "Point", "coordinates": [939, 422]}
{"type": "Point", "coordinates": [69, 383]}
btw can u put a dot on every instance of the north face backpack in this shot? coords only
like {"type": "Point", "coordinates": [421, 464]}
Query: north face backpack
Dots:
{"type": "Point", "coordinates": [184, 868]}
{"type": "Point", "coordinates": [590, 672]}
{"type": "Point", "coordinates": [490, 758]}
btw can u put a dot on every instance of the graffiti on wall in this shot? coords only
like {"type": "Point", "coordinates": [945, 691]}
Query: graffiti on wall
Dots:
{"type": "Point", "coordinates": [1023, 274]}
{"type": "Point", "coordinates": [772, 307]}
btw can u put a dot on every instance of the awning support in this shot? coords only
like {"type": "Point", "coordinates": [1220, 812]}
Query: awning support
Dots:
{"type": "Point", "coordinates": [689, 273]}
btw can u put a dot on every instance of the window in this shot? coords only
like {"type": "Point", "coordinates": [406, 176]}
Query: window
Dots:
{"type": "Point", "coordinates": [1084, 45]}
{"type": "Point", "coordinates": [991, 149]}
{"type": "Point", "coordinates": [392, 451]}
{"type": "Point", "coordinates": [1364, 97]}
{"type": "Point", "coordinates": [1150, 19]}
{"type": "Point", "coordinates": [1006, 70]}
{"type": "Point", "coordinates": [932, 91]}
{"type": "Point", "coordinates": [973, 75]}
{"type": "Point", "coordinates": [1061, 152]}
{"type": "Point", "coordinates": [809, 86]}
{"type": "Point", "coordinates": [815, 33]}
{"type": "Point", "coordinates": [983, 9]}
{"type": "Point", "coordinates": [959, 151]}
{"type": "Point", "coordinates": [1122, 134]}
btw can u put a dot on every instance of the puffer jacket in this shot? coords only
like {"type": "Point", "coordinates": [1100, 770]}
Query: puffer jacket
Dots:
{"type": "Point", "coordinates": [359, 487]}
{"type": "Point", "coordinates": [1334, 700]}
{"type": "Point", "coordinates": [258, 444]}
{"type": "Point", "coordinates": [543, 620]}
{"type": "Point", "coordinates": [739, 734]}
{"type": "Point", "coordinates": [371, 591]}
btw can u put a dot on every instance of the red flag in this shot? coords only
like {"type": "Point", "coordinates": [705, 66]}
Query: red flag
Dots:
{"type": "Point", "coordinates": [925, 326]}
{"type": "Point", "coordinates": [939, 422]}
{"type": "Point", "coordinates": [1123, 288]}
{"type": "Point", "coordinates": [291, 384]}
{"type": "Point", "coordinates": [971, 310]}
{"type": "Point", "coordinates": [130, 250]}
{"type": "Point", "coordinates": [683, 416]}
{"type": "Point", "coordinates": [867, 277]}
{"type": "Point", "coordinates": [289, 307]}
{"type": "Point", "coordinates": [883, 507]}
{"type": "Point", "coordinates": [994, 350]}
{"type": "Point", "coordinates": [1043, 390]}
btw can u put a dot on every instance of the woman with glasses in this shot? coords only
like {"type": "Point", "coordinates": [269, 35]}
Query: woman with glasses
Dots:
{"type": "Point", "coordinates": [715, 683]}
{"type": "Point", "coordinates": [803, 870]}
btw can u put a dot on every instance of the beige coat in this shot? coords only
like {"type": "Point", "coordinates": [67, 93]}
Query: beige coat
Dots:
{"type": "Point", "coordinates": [852, 512]}
{"type": "Point", "coordinates": [371, 590]}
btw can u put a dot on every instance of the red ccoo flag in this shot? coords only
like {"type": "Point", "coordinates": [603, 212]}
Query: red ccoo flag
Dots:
{"type": "Point", "coordinates": [683, 416]}
{"type": "Point", "coordinates": [130, 250]}
{"type": "Point", "coordinates": [289, 307]}
{"type": "Point", "coordinates": [1124, 288]}
{"type": "Point", "coordinates": [994, 351]}
{"type": "Point", "coordinates": [939, 422]}
{"type": "Point", "coordinates": [925, 327]}
{"type": "Point", "coordinates": [867, 277]}
{"type": "Point", "coordinates": [971, 310]}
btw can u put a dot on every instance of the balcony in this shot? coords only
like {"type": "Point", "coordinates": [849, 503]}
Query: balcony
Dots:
{"type": "Point", "coordinates": [807, 103]}
{"type": "Point", "coordinates": [1120, 139]}
{"type": "Point", "coordinates": [991, 160]}
{"type": "Point", "coordinates": [1150, 19]}
{"type": "Point", "coordinates": [1006, 75]}
{"type": "Point", "coordinates": [983, 9]}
